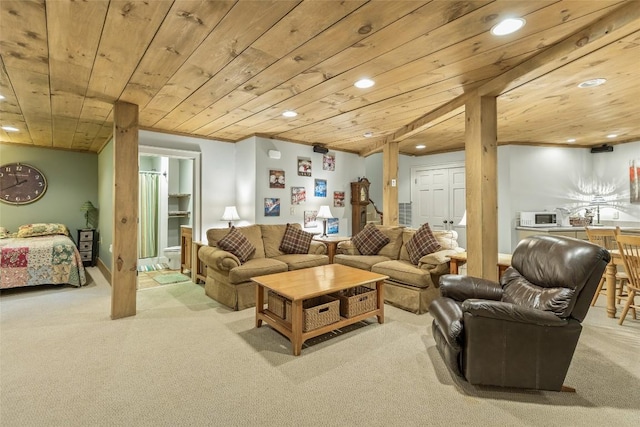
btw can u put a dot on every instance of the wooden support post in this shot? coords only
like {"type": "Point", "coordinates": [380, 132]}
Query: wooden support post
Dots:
{"type": "Point", "coordinates": [390, 183]}
{"type": "Point", "coordinates": [125, 210]}
{"type": "Point", "coordinates": [481, 186]}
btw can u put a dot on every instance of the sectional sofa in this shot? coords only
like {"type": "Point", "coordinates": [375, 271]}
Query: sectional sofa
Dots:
{"type": "Point", "coordinates": [410, 286]}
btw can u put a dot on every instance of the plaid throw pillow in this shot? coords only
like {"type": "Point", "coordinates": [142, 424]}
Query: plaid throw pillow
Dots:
{"type": "Point", "coordinates": [295, 241]}
{"type": "Point", "coordinates": [422, 243]}
{"type": "Point", "coordinates": [237, 244]}
{"type": "Point", "coordinates": [370, 240]}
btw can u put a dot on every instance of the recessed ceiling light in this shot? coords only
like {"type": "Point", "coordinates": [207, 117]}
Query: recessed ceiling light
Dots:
{"type": "Point", "coordinates": [289, 113]}
{"type": "Point", "coordinates": [1, 97]}
{"type": "Point", "coordinates": [10, 129]}
{"type": "Point", "coordinates": [421, 146]}
{"type": "Point", "coordinates": [507, 26]}
{"type": "Point", "coordinates": [364, 83]}
{"type": "Point", "coordinates": [612, 135]}
{"type": "Point", "coordinates": [592, 83]}
{"type": "Point", "coordinates": [571, 140]}
{"type": "Point", "coordinates": [368, 134]}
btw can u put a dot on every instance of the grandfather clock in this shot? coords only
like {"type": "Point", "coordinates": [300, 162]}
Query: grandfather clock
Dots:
{"type": "Point", "coordinates": [359, 203]}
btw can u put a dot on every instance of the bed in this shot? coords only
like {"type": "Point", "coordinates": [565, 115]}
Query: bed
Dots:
{"type": "Point", "coordinates": [39, 254]}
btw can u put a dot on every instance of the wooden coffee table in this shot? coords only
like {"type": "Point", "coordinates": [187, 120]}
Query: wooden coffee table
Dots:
{"type": "Point", "coordinates": [299, 285]}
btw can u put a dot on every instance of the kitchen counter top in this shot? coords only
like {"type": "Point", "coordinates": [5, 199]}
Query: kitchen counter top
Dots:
{"type": "Point", "coordinates": [559, 228]}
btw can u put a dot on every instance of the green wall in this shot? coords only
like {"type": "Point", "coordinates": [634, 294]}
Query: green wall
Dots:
{"type": "Point", "coordinates": [72, 179]}
{"type": "Point", "coordinates": [105, 197]}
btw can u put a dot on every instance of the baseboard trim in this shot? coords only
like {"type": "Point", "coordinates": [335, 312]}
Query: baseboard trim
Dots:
{"type": "Point", "coordinates": [104, 270]}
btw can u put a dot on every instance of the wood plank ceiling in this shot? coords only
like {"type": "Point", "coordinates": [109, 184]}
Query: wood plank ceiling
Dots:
{"type": "Point", "coordinates": [226, 70]}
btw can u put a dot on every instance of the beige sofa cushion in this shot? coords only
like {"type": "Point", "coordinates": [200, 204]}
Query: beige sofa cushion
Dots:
{"type": "Point", "coordinates": [253, 233]}
{"type": "Point", "coordinates": [404, 272]}
{"type": "Point", "coordinates": [391, 249]}
{"type": "Point", "coordinates": [272, 236]}
{"type": "Point", "coordinates": [298, 261]}
{"type": "Point", "coordinates": [363, 262]}
{"type": "Point", "coordinates": [256, 267]}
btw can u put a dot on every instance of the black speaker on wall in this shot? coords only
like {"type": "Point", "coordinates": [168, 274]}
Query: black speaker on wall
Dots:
{"type": "Point", "coordinates": [604, 148]}
{"type": "Point", "coordinates": [320, 149]}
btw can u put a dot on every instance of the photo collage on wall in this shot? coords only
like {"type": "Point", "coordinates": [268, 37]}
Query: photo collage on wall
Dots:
{"type": "Point", "coordinates": [320, 188]}
{"type": "Point", "coordinates": [271, 206]}
{"type": "Point", "coordinates": [276, 178]}
{"type": "Point", "coordinates": [634, 181]}
{"type": "Point", "coordinates": [338, 199]}
{"type": "Point", "coordinates": [310, 219]}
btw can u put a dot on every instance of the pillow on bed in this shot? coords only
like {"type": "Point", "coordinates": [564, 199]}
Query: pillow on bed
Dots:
{"type": "Point", "coordinates": [4, 233]}
{"type": "Point", "coordinates": [44, 229]}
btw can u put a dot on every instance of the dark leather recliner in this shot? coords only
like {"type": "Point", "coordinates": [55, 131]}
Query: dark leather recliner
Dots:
{"type": "Point", "coordinates": [521, 332]}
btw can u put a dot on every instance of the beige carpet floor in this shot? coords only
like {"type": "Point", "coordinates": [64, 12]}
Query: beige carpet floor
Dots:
{"type": "Point", "coordinates": [184, 360]}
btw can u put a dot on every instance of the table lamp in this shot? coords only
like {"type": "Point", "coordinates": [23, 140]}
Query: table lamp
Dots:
{"type": "Point", "coordinates": [230, 214]}
{"type": "Point", "coordinates": [598, 200]}
{"type": "Point", "coordinates": [325, 214]}
{"type": "Point", "coordinates": [87, 207]}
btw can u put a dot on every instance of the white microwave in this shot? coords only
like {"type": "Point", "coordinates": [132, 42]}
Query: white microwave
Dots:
{"type": "Point", "coordinates": [537, 219]}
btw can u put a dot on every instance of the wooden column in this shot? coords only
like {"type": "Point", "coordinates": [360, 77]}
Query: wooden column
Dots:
{"type": "Point", "coordinates": [390, 183]}
{"type": "Point", "coordinates": [482, 189]}
{"type": "Point", "coordinates": [125, 210]}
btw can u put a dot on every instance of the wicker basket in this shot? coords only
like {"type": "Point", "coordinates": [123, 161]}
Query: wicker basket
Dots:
{"type": "Point", "coordinates": [320, 311]}
{"type": "Point", "coordinates": [279, 305]}
{"type": "Point", "coordinates": [355, 301]}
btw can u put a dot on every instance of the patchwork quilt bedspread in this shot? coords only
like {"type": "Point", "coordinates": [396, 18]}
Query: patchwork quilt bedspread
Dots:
{"type": "Point", "coordinates": [40, 260]}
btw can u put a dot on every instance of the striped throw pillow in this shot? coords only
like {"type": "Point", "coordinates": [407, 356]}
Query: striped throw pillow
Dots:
{"type": "Point", "coordinates": [295, 241]}
{"type": "Point", "coordinates": [422, 243]}
{"type": "Point", "coordinates": [237, 244]}
{"type": "Point", "coordinates": [370, 240]}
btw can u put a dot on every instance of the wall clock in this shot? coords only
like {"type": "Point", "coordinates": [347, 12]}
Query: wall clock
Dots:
{"type": "Point", "coordinates": [21, 184]}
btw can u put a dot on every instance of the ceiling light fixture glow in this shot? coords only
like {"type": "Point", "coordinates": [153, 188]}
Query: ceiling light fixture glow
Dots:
{"type": "Point", "coordinates": [421, 146]}
{"type": "Point", "coordinates": [507, 26]}
{"type": "Point", "coordinates": [571, 140]}
{"type": "Point", "coordinates": [368, 134]}
{"type": "Point", "coordinates": [592, 83]}
{"type": "Point", "coordinates": [289, 113]}
{"type": "Point", "coordinates": [10, 129]}
{"type": "Point", "coordinates": [612, 135]}
{"type": "Point", "coordinates": [364, 83]}
{"type": "Point", "coordinates": [1, 97]}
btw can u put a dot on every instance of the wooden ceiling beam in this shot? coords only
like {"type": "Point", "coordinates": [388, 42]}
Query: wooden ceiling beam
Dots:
{"type": "Point", "coordinates": [596, 35]}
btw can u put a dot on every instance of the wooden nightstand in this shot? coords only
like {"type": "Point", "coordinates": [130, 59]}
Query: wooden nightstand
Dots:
{"type": "Point", "coordinates": [87, 246]}
{"type": "Point", "coordinates": [331, 242]}
{"type": "Point", "coordinates": [198, 268]}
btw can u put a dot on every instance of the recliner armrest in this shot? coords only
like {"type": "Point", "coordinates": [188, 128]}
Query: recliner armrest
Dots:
{"type": "Point", "coordinates": [511, 312]}
{"type": "Point", "coordinates": [447, 314]}
{"type": "Point", "coordinates": [461, 288]}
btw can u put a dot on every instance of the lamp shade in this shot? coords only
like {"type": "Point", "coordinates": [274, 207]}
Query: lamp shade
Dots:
{"type": "Point", "coordinates": [230, 214]}
{"type": "Point", "coordinates": [463, 221]}
{"type": "Point", "coordinates": [87, 206]}
{"type": "Point", "coordinates": [324, 212]}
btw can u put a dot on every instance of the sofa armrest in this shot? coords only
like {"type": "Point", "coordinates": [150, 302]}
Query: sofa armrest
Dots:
{"type": "Point", "coordinates": [461, 288]}
{"type": "Point", "coordinates": [317, 248]}
{"type": "Point", "coordinates": [434, 259]}
{"type": "Point", "coordinates": [346, 247]}
{"type": "Point", "coordinates": [511, 312]}
{"type": "Point", "coordinates": [217, 258]}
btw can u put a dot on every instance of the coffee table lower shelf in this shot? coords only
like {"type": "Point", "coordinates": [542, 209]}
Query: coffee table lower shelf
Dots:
{"type": "Point", "coordinates": [285, 328]}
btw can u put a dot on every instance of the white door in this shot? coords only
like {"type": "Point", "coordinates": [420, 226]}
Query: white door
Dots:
{"type": "Point", "coordinates": [439, 196]}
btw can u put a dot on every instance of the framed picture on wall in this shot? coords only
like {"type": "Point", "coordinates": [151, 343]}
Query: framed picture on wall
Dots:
{"type": "Point", "coordinates": [333, 225]}
{"type": "Point", "coordinates": [320, 188]}
{"type": "Point", "coordinates": [276, 178]}
{"type": "Point", "coordinates": [304, 166]}
{"type": "Point", "coordinates": [310, 219]}
{"type": "Point", "coordinates": [298, 195]}
{"type": "Point", "coordinates": [634, 181]}
{"type": "Point", "coordinates": [338, 199]}
{"type": "Point", "coordinates": [329, 162]}
{"type": "Point", "coordinates": [271, 206]}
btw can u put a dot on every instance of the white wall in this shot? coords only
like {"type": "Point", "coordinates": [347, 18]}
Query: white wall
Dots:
{"type": "Point", "coordinates": [538, 178]}
{"type": "Point", "coordinates": [348, 167]}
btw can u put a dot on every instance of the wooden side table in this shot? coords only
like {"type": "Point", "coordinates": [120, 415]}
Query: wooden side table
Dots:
{"type": "Point", "coordinates": [198, 268]}
{"type": "Point", "coordinates": [504, 262]}
{"type": "Point", "coordinates": [331, 242]}
{"type": "Point", "coordinates": [186, 237]}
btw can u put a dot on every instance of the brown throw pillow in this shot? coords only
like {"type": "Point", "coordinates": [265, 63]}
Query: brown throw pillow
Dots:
{"type": "Point", "coordinates": [237, 244]}
{"type": "Point", "coordinates": [422, 243]}
{"type": "Point", "coordinates": [370, 240]}
{"type": "Point", "coordinates": [295, 241]}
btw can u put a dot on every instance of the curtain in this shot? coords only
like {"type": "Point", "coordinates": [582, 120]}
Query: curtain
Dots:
{"type": "Point", "coordinates": [148, 229]}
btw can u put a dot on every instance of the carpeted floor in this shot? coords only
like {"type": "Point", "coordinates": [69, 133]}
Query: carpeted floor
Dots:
{"type": "Point", "coordinates": [184, 360]}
